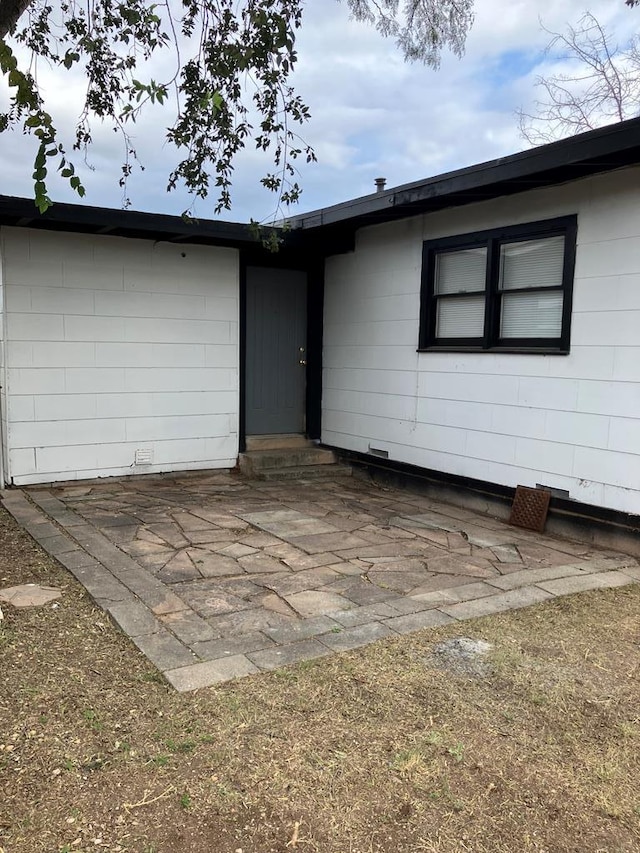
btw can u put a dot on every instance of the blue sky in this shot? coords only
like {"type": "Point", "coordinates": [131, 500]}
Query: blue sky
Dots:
{"type": "Point", "coordinates": [372, 114]}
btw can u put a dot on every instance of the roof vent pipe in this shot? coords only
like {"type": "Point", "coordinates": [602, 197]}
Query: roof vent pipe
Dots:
{"type": "Point", "coordinates": [380, 184]}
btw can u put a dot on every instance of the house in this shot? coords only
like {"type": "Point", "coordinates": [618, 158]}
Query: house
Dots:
{"type": "Point", "coordinates": [479, 329]}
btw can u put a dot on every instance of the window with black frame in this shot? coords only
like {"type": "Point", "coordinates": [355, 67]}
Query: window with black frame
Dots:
{"type": "Point", "coordinates": [504, 289]}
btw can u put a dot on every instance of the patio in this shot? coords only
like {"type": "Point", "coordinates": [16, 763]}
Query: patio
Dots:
{"type": "Point", "coordinates": [215, 576]}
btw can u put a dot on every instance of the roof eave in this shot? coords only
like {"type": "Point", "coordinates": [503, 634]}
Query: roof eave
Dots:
{"type": "Point", "coordinates": [596, 151]}
{"type": "Point", "coordinates": [22, 212]}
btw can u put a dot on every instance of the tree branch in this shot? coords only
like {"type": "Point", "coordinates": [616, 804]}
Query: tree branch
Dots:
{"type": "Point", "coordinates": [603, 86]}
{"type": "Point", "coordinates": [10, 11]}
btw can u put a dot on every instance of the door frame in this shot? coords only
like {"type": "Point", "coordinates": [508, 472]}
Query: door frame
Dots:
{"type": "Point", "coordinates": [314, 269]}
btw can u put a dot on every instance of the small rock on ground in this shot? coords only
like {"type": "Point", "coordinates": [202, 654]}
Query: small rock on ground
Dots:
{"type": "Point", "coordinates": [29, 595]}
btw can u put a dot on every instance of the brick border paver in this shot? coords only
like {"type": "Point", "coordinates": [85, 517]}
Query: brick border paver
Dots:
{"type": "Point", "coordinates": [189, 653]}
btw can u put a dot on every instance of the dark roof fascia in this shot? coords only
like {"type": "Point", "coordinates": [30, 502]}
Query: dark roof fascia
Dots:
{"type": "Point", "coordinates": [297, 249]}
{"type": "Point", "coordinates": [558, 162]}
{"type": "Point", "coordinates": [331, 230]}
{"type": "Point", "coordinates": [78, 218]}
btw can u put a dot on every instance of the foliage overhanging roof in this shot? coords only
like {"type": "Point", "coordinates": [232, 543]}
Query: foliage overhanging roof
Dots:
{"type": "Point", "coordinates": [597, 151]}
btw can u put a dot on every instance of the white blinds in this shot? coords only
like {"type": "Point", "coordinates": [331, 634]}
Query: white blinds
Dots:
{"type": "Point", "coordinates": [531, 315]}
{"type": "Point", "coordinates": [527, 264]}
{"type": "Point", "coordinates": [460, 318]}
{"type": "Point", "coordinates": [525, 310]}
{"type": "Point", "coordinates": [534, 263]}
{"type": "Point", "coordinates": [463, 271]}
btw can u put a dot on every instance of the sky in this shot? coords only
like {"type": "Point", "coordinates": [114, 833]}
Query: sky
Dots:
{"type": "Point", "coordinates": [372, 113]}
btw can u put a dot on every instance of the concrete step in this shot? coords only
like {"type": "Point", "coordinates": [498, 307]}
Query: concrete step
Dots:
{"type": "Point", "coordinates": [255, 461]}
{"type": "Point", "coordinates": [300, 462]}
{"type": "Point", "coordinates": [306, 472]}
{"type": "Point", "coordinates": [277, 442]}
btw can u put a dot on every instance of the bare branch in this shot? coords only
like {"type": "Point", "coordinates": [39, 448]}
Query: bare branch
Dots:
{"type": "Point", "coordinates": [601, 86]}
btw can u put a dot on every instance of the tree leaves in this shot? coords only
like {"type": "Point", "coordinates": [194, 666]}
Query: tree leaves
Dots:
{"type": "Point", "coordinates": [422, 29]}
{"type": "Point", "coordinates": [230, 61]}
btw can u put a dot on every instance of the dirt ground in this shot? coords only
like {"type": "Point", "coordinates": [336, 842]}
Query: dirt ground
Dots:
{"type": "Point", "coordinates": [380, 749]}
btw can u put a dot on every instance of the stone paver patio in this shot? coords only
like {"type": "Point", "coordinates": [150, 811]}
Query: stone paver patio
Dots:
{"type": "Point", "coordinates": [214, 576]}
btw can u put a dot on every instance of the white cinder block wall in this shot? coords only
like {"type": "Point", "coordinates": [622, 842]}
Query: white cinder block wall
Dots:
{"type": "Point", "coordinates": [3, 386]}
{"type": "Point", "coordinates": [571, 422]}
{"type": "Point", "coordinates": [116, 345]}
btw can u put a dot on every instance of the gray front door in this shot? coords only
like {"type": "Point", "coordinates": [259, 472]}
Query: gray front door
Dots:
{"type": "Point", "coordinates": [276, 351]}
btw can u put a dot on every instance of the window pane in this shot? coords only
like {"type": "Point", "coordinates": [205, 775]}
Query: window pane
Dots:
{"type": "Point", "coordinates": [534, 263]}
{"type": "Point", "coordinates": [460, 318]}
{"type": "Point", "coordinates": [461, 272]}
{"type": "Point", "coordinates": [531, 315]}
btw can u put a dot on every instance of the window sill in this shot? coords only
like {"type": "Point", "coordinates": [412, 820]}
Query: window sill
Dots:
{"type": "Point", "coordinates": [494, 350]}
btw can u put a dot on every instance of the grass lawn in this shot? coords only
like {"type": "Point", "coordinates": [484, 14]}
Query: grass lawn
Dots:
{"type": "Point", "coordinates": [374, 750]}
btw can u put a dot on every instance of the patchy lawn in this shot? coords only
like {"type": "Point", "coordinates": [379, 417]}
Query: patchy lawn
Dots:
{"type": "Point", "coordinates": [374, 750]}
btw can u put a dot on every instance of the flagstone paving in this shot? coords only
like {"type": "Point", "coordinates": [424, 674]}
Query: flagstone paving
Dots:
{"type": "Point", "coordinates": [215, 576]}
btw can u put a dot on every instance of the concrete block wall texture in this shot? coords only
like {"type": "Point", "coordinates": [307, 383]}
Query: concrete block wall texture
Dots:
{"type": "Point", "coordinates": [116, 345]}
{"type": "Point", "coordinates": [570, 422]}
{"type": "Point", "coordinates": [4, 401]}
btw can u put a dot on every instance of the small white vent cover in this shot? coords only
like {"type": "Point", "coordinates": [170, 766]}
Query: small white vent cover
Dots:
{"type": "Point", "coordinates": [143, 456]}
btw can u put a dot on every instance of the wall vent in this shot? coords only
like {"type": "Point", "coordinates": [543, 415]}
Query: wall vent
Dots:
{"type": "Point", "coordinates": [556, 493]}
{"type": "Point", "coordinates": [375, 451]}
{"type": "Point", "coordinates": [143, 456]}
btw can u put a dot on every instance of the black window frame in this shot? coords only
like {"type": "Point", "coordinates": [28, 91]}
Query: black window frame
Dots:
{"type": "Point", "coordinates": [493, 239]}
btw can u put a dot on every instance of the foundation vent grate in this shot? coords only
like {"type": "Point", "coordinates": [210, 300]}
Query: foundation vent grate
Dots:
{"type": "Point", "coordinates": [530, 508]}
{"type": "Point", "coordinates": [555, 493]}
{"type": "Point", "coordinates": [376, 451]}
